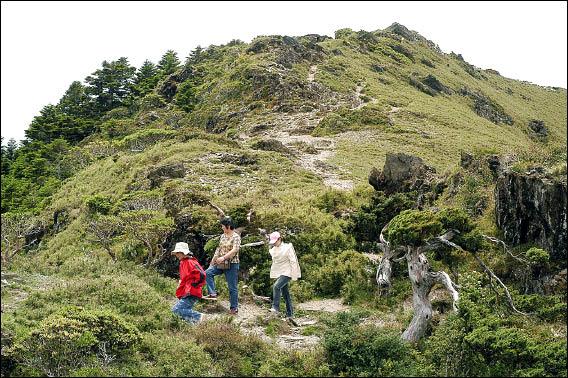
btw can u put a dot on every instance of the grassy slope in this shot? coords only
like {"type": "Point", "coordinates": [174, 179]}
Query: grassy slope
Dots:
{"type": "Point", "coordinates": [434, 128]}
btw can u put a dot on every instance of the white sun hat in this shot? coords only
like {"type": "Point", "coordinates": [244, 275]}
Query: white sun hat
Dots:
{"type": "Point", "coordinates": [183, 248]}
{"type": "Point", "coordinates": [274, 237]}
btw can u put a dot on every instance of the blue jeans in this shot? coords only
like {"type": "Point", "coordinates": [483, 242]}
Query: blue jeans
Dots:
{"type": "Point", "coordinates": [282, 287]}
{"type": "Point", "coordinates": [184, 308]}
{"type": "Point", "coordinates": [231, 275]}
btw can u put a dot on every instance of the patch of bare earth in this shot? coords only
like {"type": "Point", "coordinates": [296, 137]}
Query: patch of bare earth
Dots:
{"type": "Point", "coordinates": [312, 153]}
{"type": "Point", "coordinates": [252, 317]}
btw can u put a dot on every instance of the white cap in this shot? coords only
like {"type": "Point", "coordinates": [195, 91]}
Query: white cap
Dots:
{"type": "Point", "coordinates": [274, 237]}
{"type": "Point", "coordinates": [183, 248]}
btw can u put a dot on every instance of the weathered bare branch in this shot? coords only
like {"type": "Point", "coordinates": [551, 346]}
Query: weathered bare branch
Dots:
{"type": "Point", "coordinates": [16, 228]}
{"type": "Point", "coordinates": [220, 212]}
{"type": "Point", "coordinates": [255, 244]}
{"type": "Point", "coordinates": [444, 278]}
{"type": "Point", "coordinates": [505, 249]}
{"type": "Point", "coordinates": [255, 296]}
{"type": "Point", "coordinates": [492, 275]}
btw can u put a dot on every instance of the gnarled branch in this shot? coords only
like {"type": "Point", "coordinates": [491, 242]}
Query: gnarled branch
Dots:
{"type": "Point", "coordinates": [505, 249]}
{"type": "Point", "coordinates": [487, 270]}
{"type": "Point", "coordinates": [220, 212]}
{"type": "Point", "coordinates": [492, 275]}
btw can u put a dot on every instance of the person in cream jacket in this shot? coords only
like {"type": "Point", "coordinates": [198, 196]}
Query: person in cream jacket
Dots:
{"type": "Point", "coordinates": [285, 268]}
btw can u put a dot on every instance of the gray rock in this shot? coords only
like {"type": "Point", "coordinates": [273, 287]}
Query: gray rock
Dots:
{"type": "Point", "coordinates": [159, 174]}
{"type": "Point", "coordinates": [484, 107]}
{"type": "Point", "coordinates": [531, 208]}
{"type": "Point", "coordinates": [402, 173]}
{"type": "Point", "coordinates": [271, 145]}
{"type": "Point", "coordinates": [538, 129]}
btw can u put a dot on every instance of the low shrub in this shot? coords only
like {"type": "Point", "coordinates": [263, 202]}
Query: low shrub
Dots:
{"type": "Point", "coordinates": [356, 350]}
{"type": "Point", "coordinates": [73, 338]}
{"type": "Point", "coordinates": [234, 353]}
{"type": "Point", "coordinates": [295, 363]}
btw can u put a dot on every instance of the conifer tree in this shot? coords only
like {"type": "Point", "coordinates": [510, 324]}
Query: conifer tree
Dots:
{"type": "Point", "coordinates": [169, 63]}
{"type": "Point", "coordinates": [146, 78]}
{"type": "Point", "coordinates": [111, 86]}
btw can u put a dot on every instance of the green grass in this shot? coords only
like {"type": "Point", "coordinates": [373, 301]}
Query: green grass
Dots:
{"type": "Point", "coordinates": [435, 128]}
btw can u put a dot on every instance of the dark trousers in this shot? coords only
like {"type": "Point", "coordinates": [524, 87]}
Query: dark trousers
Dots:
{"type": "Point", "coordinates": [282, 288]}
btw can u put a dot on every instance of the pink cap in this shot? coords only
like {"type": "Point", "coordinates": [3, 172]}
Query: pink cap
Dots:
{"type": "Point", "coordinates": [274, 237]}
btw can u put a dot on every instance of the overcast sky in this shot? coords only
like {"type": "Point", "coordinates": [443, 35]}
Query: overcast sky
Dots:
{"type": "Point", "coordinates": [47, 45]}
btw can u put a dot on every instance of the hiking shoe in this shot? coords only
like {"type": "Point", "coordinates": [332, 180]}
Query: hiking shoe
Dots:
{"type": "Point", "coordinates": [234, 311]}
{"type": "Point", "coordinates": [292, 321]}
{"type": "Point", "coordinates": [273, 310]}
{"type": "Point", "coordinates": [211, 297]}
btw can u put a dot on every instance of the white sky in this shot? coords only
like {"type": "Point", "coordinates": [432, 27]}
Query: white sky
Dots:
{"type": "Point", "coordinates": [47, 45]}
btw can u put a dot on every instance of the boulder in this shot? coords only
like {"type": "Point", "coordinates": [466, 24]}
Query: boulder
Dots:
{"type": "Point", "coordinates": [531, 208]}
{"type": "Point", "coordinates": [159, 174]}
{"type": "Point", "coordinates": [538, 129]}
{"type": "Point", "coordinates": [402, 173]}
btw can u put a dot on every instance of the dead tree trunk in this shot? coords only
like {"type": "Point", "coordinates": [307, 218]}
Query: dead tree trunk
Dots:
{"type": "Point", "coordinates": [418, 272]}
{"type": "Point", "coordinates": [422, 282]}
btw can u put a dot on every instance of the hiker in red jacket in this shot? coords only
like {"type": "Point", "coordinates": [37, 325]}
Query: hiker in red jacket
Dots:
{"type": "Point", "coordinates": [191, 280]}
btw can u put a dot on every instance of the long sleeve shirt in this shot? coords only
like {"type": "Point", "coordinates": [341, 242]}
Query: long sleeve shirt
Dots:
{"type": "Point", "coordinates": [284, 262]}
{"type": "Point", "coordinates": [192, 278]}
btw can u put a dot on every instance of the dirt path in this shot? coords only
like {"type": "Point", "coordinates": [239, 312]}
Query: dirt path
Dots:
{"type": "Point", "coordinates": [310, 152]}
{"type": "Point", "coordinates": [253, 318]}
{"type": "Point", "coordinates": [326, 305]}
{"type": "Point", "coordinates": [358, 102]}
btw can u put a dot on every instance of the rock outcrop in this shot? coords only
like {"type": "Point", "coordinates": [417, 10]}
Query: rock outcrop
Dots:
{"type": "Point", "coordinates": [159, 174]}
{"type": "Point", "coordinates": [402, 173]}
{"type": "Point", "coordinates": [485, 107]}
{"type": "Point", "coordinates": [538, 129]}
{"type": "Point", "coordinates": [531, 208]}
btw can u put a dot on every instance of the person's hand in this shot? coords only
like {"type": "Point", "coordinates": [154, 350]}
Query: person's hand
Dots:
{"type": "Point", "coordinates": [220, 259]}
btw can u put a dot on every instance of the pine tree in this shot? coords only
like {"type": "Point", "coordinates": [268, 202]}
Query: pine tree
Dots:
{"type": "Point", "coordinates": [53, 123]}
{"type": "Point", "coordinates": [146, 78]}
{"type": "Point", "coordinates": [8, 155]}
{"type": "Point", "coordinates": [75, 102]}
{"type": "Point", "coordinates": [169, 63]}
{"type": "Point", "coordinates": [111, 86]}
{"type": "Point", "coordinates": [194, 56]}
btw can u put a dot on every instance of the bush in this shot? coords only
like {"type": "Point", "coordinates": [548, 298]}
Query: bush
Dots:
{"type": "Point", "coordinates": [295, 363]}
{"type": "Point", "coordinates": [331, 124]}
{"type": "Point", "coordinates": [368, 221]}
{"type": "Point", "coordinates": [484, 339]}
{"type": "Point", "coordinates": [176, 355]}
{"type": "Point", "coordinates": [143, 139]}
{"type": "Point", "coordinates": [74, 337]}
{"type": "Point", "coordinates": [547, 308]}
{"type": "Point", "coordinates": [124, 294]}
{"type": "Point", "coordinates": [151, 101]}
{"type": "Point", "coordinates": [537, 256]}
{"type": "Point", "coordinates": [412, 227]}
{"type": "Point", "coordinates": [99, 204]}
{"type": "Point", "coordinates": [356, 350]}
{"type": "Point", "coordinates": [234, 353]}
{"type": "Point", "coordinates": [114, 128]}
{"type": "Point", "coordinates": [349, 273]}
{"type": "Point", "coordinates": [332, 201]}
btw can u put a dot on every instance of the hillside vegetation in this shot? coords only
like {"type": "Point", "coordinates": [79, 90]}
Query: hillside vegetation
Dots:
{"type": "Point", "coordinates": [129, 160]}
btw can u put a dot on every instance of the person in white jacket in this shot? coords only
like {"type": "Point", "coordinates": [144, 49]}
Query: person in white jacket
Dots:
{"type": "Point", "coordinates": [285, 268]}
